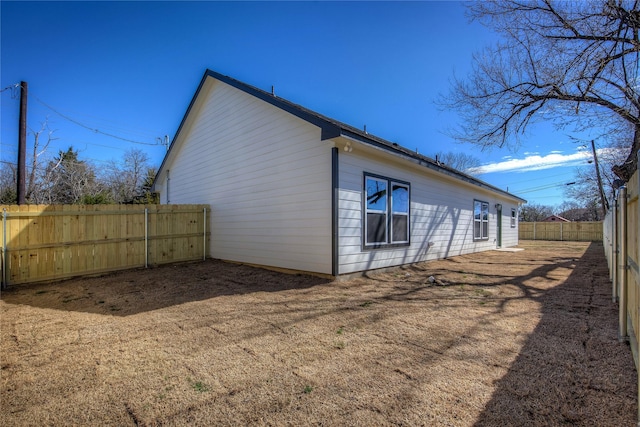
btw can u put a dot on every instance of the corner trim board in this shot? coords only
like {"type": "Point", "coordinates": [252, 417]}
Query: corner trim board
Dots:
{"type": "Point", "coordinates": [335, 204]}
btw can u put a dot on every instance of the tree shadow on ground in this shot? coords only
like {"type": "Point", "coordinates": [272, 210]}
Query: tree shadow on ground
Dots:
{"type": "Point", "coordinates": [392, 345]}
{"type": "Point", "coordinates": [135, 291]}
{"type": "Point", "coordinates": [575, 338]}
{"type": "Point", "coordinates": [571, 369]}
{"type": "Point", "coordinates": [460, 268]}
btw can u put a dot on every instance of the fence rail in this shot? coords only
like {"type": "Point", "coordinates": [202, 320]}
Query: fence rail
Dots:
{"type": "Point", "coordinates": [587, 231]}
{"type": "Point", "coordinates": [51, 242]}
{"type": "Point", "coordinates": [622, 249]}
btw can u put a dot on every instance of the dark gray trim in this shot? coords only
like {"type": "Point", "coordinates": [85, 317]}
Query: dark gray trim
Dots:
{"type": "Point", "coordinates": [182, 122]}
{"type": "Point", "coordinates": [363, 225]}
{"type": "Point", "coordinates": [473, 217]}
{"type": "Point", "coordinates": [331, 128]}
{"type": "Point", "coordinates": [335, 212]}
{"type": "Point", "coordinates": [499, 225]}
{"type": "Point", "coordinates": [329, 132]}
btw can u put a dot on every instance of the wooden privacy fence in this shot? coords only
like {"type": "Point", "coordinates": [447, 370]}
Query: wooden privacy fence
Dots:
{"type": "Point", "coordinates": [622, 249]}
{"type": "Point", "coordinates": [50, 242]}
{"type": "Point", "coordinates": [587, 231]}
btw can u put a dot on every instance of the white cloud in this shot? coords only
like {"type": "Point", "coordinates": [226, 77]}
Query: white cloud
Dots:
{"type": "Point", "coordinates": [534, 162]}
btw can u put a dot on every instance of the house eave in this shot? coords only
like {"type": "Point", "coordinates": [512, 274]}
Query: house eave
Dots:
{"type": "Point", "coordinates": [428, 163]}
{"type": "Point", "coordinates": [331, 129]}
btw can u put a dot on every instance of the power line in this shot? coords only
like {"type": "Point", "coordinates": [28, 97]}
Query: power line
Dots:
{"type": "Point", "coordinates": [95, 130]}
{"type": "Point", "coordinates": [13, 87]}
{"type": "Point", "coordinates": [111, 124]}
{"type": "Point", "coordinates": [544, 187]}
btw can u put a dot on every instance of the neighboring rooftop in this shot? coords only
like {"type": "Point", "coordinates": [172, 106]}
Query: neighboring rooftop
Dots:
{"type": "Point", "coordinates": [555, 218]}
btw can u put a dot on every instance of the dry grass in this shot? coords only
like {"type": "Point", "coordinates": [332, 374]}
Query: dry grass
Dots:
{"type": "Point", "coordinates": [526, 338]}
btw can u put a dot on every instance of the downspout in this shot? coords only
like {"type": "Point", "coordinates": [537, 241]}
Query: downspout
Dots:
{"type": "Point", "coordinates": [4, 249]}
{"type": "Point", "coordinates": [168, 182]}
{"type": "Point", "coordinates": [335, 202]}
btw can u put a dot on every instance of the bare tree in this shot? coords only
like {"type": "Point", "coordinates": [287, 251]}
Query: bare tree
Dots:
{"type": "Point", "coordinates": [585, 189]}
{"type": "Point", "coordinates": [574, 211]}
{"type": "Point", "coordinates": [460, 161]}
{"type": "Point", "coordinates": [573, 63]}
{"type": "Point", "coordinates": [38, 151]}
{"type": "Point", "coordinates": [534, 212]}
{"type": "Point", "coordinates": [126, 178]}
{"type": "Point", "coordinates": [8, 193]}
{"type": "Point", "coordinates": [67, 179]}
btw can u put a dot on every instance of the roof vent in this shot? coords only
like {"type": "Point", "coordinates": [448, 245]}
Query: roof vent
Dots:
{"type": "Point", "coordinates": [273, 92]}
{"type": "Point", "coordinates": [365, 129]}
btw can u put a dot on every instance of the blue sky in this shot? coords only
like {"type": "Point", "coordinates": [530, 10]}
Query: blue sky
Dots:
{"type": "Point", "coordinates": [115, 75]}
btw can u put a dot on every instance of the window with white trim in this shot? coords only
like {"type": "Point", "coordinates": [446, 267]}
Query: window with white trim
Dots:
{"type": "Point", "coordinates": [513, 218]}
{"type": "Point", "coordinates": [480, 220]}
{"type": "Point", "coordinates": [386, 213]}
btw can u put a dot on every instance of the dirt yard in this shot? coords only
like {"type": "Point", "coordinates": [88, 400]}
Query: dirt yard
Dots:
{"type": "Point", "coordinates": [499, 339]}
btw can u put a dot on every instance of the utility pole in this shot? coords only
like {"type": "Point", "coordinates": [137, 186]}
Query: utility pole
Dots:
{"type": "Point", "coordinates": [22, 144]}
{"type": "Point", "coordinates": [603, 200]}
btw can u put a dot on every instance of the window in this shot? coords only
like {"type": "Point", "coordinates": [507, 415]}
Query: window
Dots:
{"type": "Point", "coordinates": [376, 211]}
{"type": "Point", "coordinates": [513, 218]}
{"type": "Point", "coordinates": [386, 220]}
{"type": "Point", "coordinates": [480, 220]}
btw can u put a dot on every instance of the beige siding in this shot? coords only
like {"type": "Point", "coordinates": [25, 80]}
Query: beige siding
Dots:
{"type": "Point", "coordinates": [441, 214]}
{"type": "Point", "coordinates": [265, 174]}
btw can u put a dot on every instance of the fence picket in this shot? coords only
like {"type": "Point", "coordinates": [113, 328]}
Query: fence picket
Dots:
{"type": "Point", "coordinates": [51, 242]}
{"type": "Point", "coordinates": [587, 231]}
{"type": "Point", "coordinates": [622, 249]}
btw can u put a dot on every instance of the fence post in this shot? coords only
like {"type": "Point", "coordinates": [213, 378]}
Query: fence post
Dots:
{"type": "Point", "coordinates": [622, 293]}
{"type": "Point", "coordinates": [614, 248]}
{"type": "Point", "coordinates": [4, 249]}
{"type": "Point", "coordinates": [204, 235]}
{"type": "Point", "coordinates": [637, 276]}
{"type": "Point", "coordinates": [560, 231]}
{"type": "Point", "coordinates": [146, 238]}
{"type": "Point", "coordinates": [534, 230]}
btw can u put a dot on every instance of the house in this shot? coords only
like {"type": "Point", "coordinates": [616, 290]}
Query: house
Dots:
{"type": "Point", "coordinates": [293, 189]}
{"type": "Point", "coordinates": [555, 218]}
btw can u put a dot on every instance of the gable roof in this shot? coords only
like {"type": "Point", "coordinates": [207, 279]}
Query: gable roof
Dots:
{"type": "Point", "coordinates": [331, 128]}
